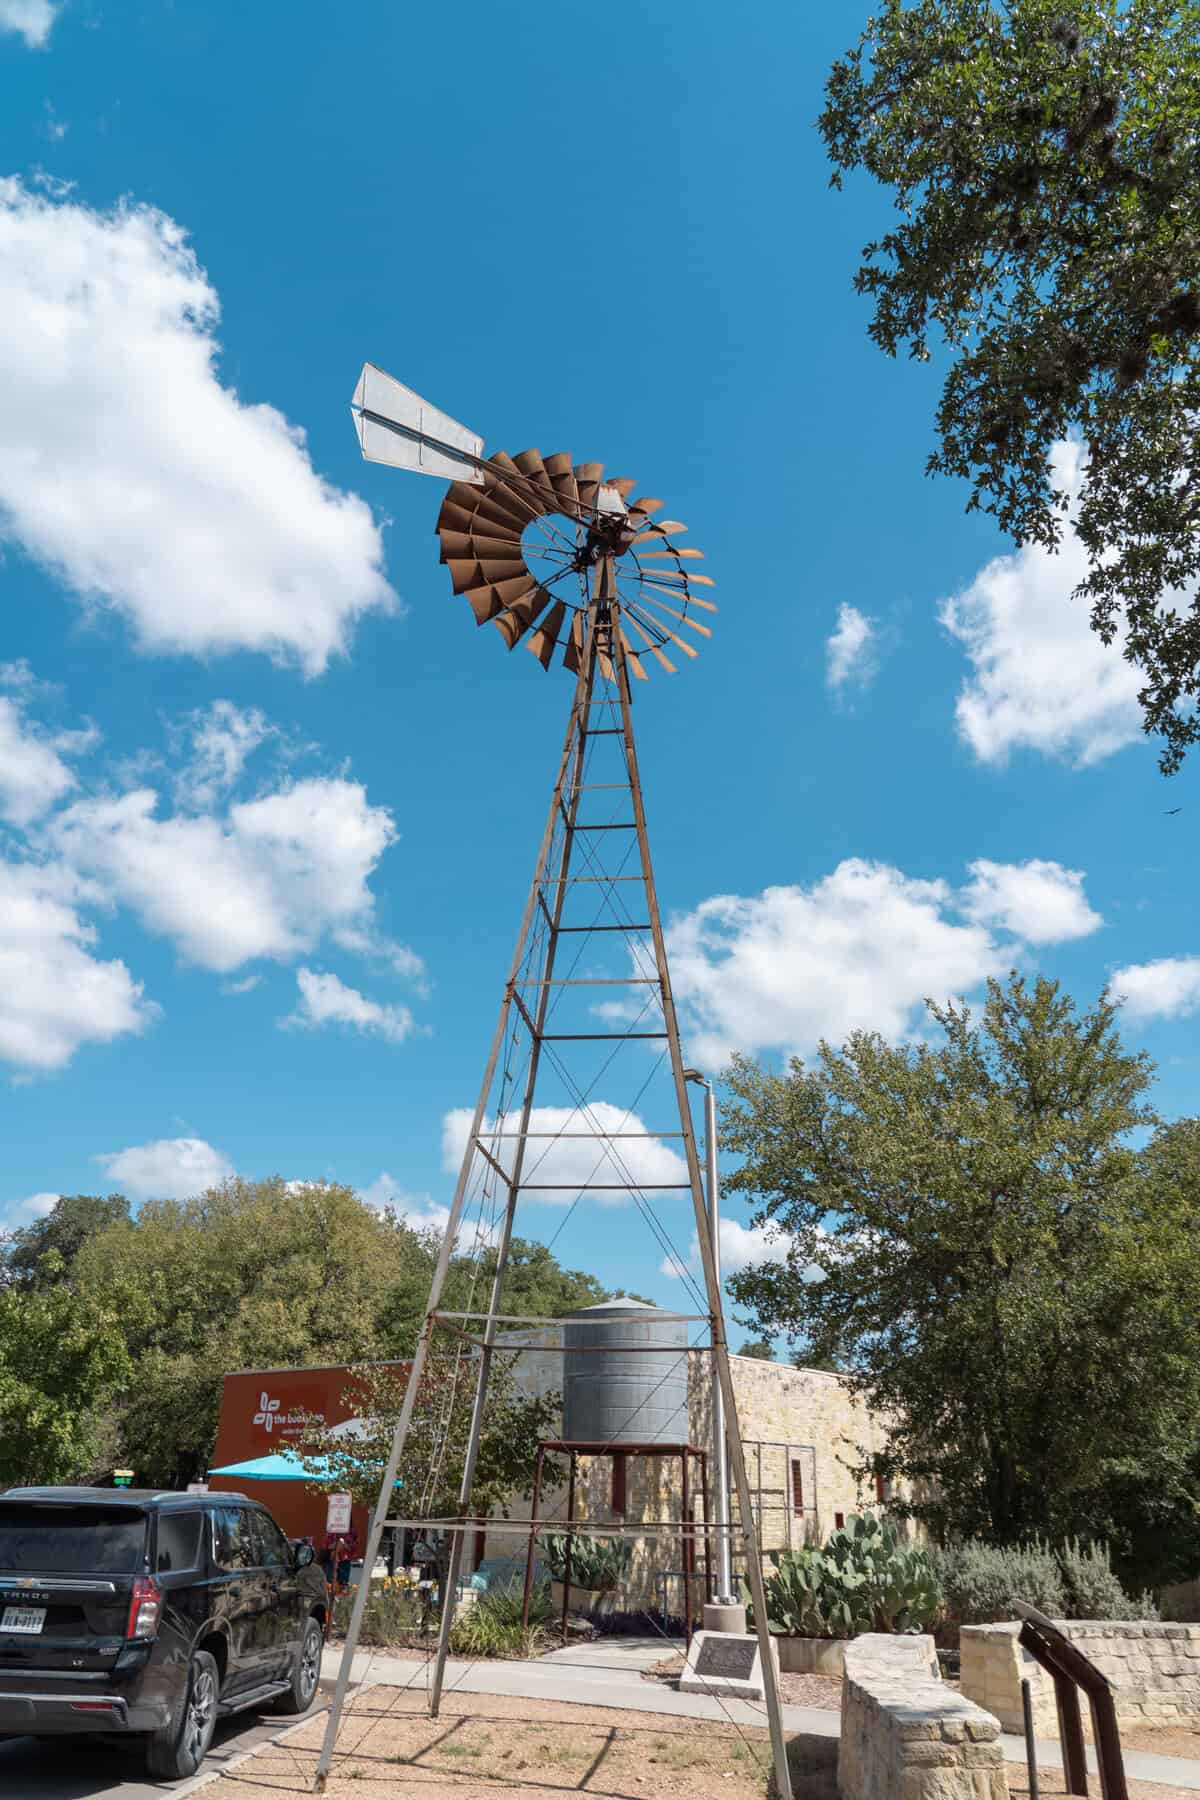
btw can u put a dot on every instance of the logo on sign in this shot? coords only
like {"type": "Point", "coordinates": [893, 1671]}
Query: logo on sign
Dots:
{"type": "Point", "coordinates": [265, 1416]}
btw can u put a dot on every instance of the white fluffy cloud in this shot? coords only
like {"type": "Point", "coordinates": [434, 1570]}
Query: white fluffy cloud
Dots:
{"type": "Point", "coordinates": [33, 776]}
{"type": "Point", "coordinates": [270, 878]}
{"type": "Point", "coordinates": [55, 995]}
{"type": "Point", "coordinates": [742, 1247]}
{"type": "Point", "coordinates": [1041, 679]}
{"type": "Point", "coordinates": [566, 1162]}
{"type": "Point", "coordinates": [24, 1212]}
{"type": "Point", "coordinates": [324, 1000]}
{"type": "Point", "coordinates": [860, 949]}
{"type": "Point", "coordinates": [30, 19]}
{"type": "Point", "coordinates": [1166, 989]}
{"type": "Point", "coordinates": [1038, 902]}
{"type": "Point", "coordinates": [221, 738]}
{"type": "Point", "coordinates": [169, 1169]}
{"type": "Point", "coordinates": [130, 471]}
{"type": "Point", "coordinates": [421, 1210]}
{"type": "Point", "coordinates": [850, 649]}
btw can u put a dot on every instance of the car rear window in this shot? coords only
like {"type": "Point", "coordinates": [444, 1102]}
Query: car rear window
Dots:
{"type": "Point", "coordinates": [178, 1541]}
{"type": "Point", "coordinates": [68, 1540]}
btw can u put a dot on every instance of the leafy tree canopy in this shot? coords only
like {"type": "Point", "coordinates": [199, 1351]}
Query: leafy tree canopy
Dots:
{"type": "Point", "coordinates": [1000, 1271]}
{"type": "Point", "coordinates": [64, 1229]}
{"type": "Point", "coordinates": [252, 1274]}
{"type": "Point", "coordinates": [59, 1355]}
{"type": "Point", "coordinates": [1044, 156]}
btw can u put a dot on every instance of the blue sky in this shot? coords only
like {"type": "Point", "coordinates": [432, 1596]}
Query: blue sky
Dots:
{"type": "Point", "coordinates": [270, 803]}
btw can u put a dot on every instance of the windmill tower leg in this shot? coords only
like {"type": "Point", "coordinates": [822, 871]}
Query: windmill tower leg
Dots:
{"type": "Point", "coordinates": [720, 1350]}
{"type": "Point", "coordinates": [567, 765]}
{"type": "Point", "coordinates": [573, 761]}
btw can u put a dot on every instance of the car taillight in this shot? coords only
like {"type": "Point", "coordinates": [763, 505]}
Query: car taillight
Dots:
{"type": "Point", "coordinates": [145, 1608]}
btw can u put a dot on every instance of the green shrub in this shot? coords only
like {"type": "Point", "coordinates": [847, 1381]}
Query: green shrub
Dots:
{"type": "Point", "coordinates": [596, 1563]}
{"type": "Point", "coordinates": [862, 1579]}
{"type": "Point", "coordinates": [979, 1580]}
{"type": "Point", "coordinates": [393, 1613]}
{"type": "Point", "coordinates": [492, 1627]}
{"type": "Point", "coordinates": [1093, 1591]}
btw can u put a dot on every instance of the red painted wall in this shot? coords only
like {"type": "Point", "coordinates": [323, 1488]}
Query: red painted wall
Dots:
{"type": "Point", "coordinates": [266, 1410]}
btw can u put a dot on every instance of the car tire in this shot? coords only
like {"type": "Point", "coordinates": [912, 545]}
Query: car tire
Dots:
{"type": "Point", "coordinates": [178, 1752]}
{"type": "Point", "coordinates": [306, 1671]}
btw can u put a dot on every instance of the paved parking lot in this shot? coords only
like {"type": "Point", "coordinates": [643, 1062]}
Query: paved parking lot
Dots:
{"type": "Point", "coordinates": [81, 1770]}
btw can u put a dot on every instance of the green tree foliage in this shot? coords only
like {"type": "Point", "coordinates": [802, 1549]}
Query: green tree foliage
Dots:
{"type": "Point", "coordinates": [1001, 1272]}
{"type": "Point", "coordinates": [72, 1220]}
{"type": "Point", "coordinates": [759, 1351]}
{"type": "Point", "coordinates": [431, 1468]}
{"type": "Point", "coordinates": [1043, 158]}
{"type": "Point", "coordinates": [59, 1356]}
{"type": "Point", "coordinates": [262, 1274]}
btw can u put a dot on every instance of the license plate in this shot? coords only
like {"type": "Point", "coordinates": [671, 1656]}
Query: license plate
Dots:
{"type": "Point", "coordinates": [22, 1618]}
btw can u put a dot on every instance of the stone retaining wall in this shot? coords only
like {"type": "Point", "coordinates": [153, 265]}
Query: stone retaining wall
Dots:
{"type": "Point", "coordinates": [906, 1735]}
{"type": "Point", "coordinates": [1154, 1669]}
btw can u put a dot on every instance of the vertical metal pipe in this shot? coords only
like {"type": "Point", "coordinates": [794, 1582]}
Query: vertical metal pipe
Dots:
{"type": "Point", "coordinates": [1030, 1745]}
{"type": "Point", "coordinates": [783, 1780]}
{"type": "Point", "coordinates": [567, 1553]}
{"type": "Point", "coordinates": [720, 1455]}
{"type": "Point", "coordinates": [533, 1514]}
{"type": "Point", "coordinates": [686, 1547]}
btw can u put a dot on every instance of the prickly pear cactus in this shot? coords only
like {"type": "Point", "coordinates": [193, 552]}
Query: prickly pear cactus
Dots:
{"type": "Point", "coordinates": [862, 1579]}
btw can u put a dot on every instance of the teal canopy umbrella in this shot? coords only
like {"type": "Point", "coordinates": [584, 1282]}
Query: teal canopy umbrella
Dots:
{"type": "Point", "coordinates": [282, 1465]}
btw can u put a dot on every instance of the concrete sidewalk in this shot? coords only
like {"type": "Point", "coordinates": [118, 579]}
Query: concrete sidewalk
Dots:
{"type": "Point", "coordinates": [608, 1673]}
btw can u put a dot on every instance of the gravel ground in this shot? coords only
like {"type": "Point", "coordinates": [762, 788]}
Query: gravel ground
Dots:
{"type": "Point", "coordinates": [1165, 1740]}
{"type": "Point", "coordinates": [499, 1745]}
{"type": "Point", "coordinates": [1050, 1781]}
{"type": "Point", "coordinates": [795, 1690]}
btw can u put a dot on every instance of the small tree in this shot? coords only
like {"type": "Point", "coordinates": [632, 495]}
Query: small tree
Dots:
{"type": "Point", "coordinates": [431, 1468]}
{"type": "Point", "coordinates": [1003, 1275]}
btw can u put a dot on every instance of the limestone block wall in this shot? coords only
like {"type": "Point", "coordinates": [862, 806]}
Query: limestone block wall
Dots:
{"type": "Point", "coordinates": [1154, 1669]}
{"type": "Point", "coordinates": [906, 1735]}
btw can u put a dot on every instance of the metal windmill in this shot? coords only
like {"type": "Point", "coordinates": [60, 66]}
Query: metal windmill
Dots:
{"type": "Point", "coordinates": [555, 555]}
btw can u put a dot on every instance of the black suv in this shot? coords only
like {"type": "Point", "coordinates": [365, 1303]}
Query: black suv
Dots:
{"type": "Point", "coordinates": [140, 1611]}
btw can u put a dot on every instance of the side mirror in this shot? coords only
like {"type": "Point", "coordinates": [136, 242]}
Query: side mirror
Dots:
{"type": "Point", "coordinates": [305, 1554]}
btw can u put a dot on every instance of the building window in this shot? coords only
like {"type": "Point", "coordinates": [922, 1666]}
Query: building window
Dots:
{"type": "Point", "coordinates": [881, 1489]}
{"type": "Point", "coordinates": [839, 1519]}
{"type": "Point", "coordinates": [797, 1488]}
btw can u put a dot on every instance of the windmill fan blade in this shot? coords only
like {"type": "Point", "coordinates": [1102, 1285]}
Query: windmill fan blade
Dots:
{"type": "Point", "coordinates": [467, 543]}
{"type": "Point", "coordinates": [573, 654]}
{"type": "Point", "coordinates": [653, 646]}
{"type": "Point", "coordinates": [588, 477]}
{"type": "Point", "coordinates": [397, 427]}
{"type": "Point", "coordinates": [624, 485]}
{"type": "Point", "coordinates": [544, 641]}
{"type": "Point", "coordinates": [688, 649]}
{"type": "Point", "coordinates": [530, 464]}
{"type": "Point", "coordinates": [562, 479]}
{"type": "Point", "coordinates": [684, 550]}
{"type": "Point", "coordinates": [633, 659]}
{"type": "Point", "coordinates": [645, 505]}
{"type": "Point", "coordinates": [515, 621]}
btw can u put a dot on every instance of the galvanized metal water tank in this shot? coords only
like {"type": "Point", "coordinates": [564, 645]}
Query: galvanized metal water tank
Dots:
{"type": "Point", "coordinates": [635, 1396]}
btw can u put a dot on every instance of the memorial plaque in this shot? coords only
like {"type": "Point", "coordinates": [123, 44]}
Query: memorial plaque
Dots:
{"type": "Point", "coordinates": [727, 1656]}
{"type": "Point", "coordinates": [723, 1662]}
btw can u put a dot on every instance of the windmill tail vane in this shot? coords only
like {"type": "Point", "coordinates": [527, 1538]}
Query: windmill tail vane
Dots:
{"type": "Point", "coordinates": [580, 569]}
{"type": "Point", "coordinates": [523, 535]}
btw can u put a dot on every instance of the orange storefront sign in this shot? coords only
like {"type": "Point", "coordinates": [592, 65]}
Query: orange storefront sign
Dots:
{"type": "Point", "coordinates": [267, 1410]}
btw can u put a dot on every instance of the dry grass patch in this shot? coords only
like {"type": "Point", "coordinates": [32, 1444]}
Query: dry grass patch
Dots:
{"type": "Point", "coordinates": [497, 1745]}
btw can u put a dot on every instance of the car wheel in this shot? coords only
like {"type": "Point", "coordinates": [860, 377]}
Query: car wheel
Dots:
{"type": "Point", "coordinates": [173, 1754]}
{"type": "Point", "coordinates": [306, 1671]}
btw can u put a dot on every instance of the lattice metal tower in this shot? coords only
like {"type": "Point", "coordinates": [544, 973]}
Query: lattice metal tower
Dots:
{"type": "Point", "coordinates": [558, 557]}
